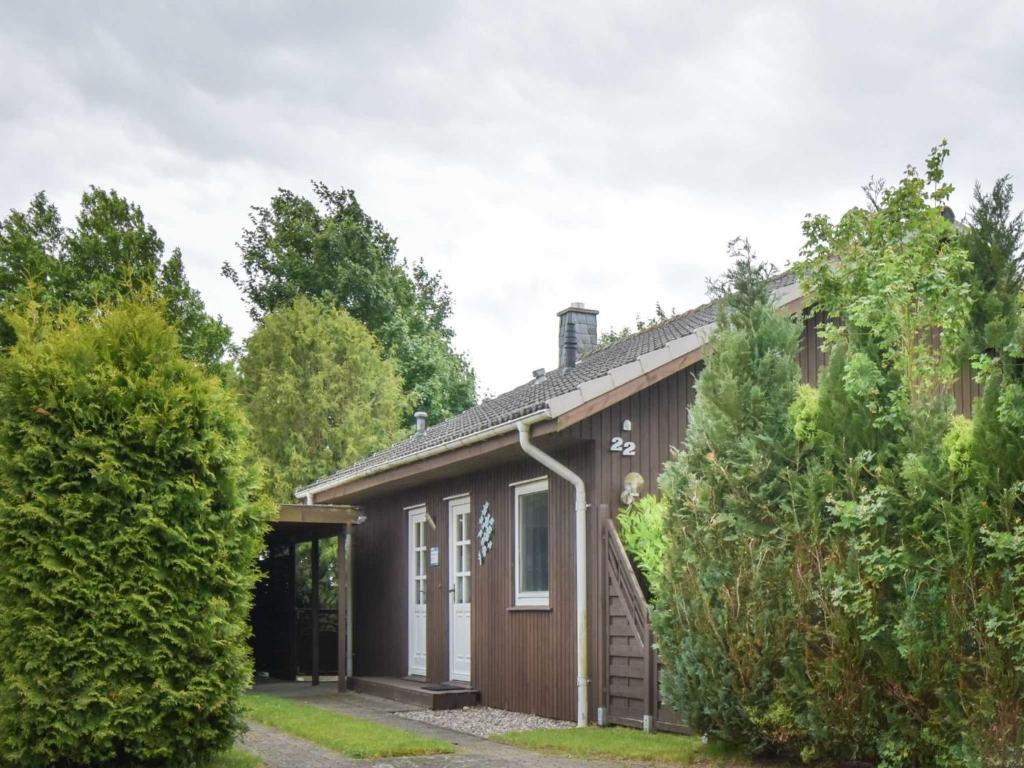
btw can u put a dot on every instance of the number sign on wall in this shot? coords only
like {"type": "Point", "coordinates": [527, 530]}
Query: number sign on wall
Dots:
{"type": "Point", "coordinates": [625, 447]}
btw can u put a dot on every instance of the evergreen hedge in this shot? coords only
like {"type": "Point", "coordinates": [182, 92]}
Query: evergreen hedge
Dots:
{"type": "Point", "coordinates": [130, 519]}
{"type": "Point", "coordinates": [724, 618]}
{"type": "Point", "coordinates": [843, 574]}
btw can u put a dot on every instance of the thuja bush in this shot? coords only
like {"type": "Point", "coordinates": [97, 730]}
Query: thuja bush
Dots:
{"type": "Point", "coordinates": [130, 518]}
{"type": "Point", "coordinates": [987, 568]}
{"type": "Point", "coordinates": [725, 614]}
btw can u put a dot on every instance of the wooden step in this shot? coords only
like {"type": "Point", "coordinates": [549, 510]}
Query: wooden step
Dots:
{"type": "Point", "coordinates": [414, 692]}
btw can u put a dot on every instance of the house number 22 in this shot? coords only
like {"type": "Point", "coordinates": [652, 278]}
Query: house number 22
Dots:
{"type": "Point", "coordinates": [625, 447]}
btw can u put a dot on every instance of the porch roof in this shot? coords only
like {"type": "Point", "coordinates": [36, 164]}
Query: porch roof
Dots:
{"type": "Point", "coordinates": [304, 522]}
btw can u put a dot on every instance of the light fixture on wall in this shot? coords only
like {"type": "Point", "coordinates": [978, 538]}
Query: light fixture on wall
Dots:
{"type": "Point", "coordinates": [632, 487]}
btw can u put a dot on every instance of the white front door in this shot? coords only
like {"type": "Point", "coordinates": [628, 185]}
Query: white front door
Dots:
{"type": "Point", "coordinates": [418, 591]}
{"type": "Point", "coordinates": [460, 559]}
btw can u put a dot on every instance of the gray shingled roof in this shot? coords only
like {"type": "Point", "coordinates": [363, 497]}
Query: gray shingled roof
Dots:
{"type": "Point", "coordinates": [533, 396]}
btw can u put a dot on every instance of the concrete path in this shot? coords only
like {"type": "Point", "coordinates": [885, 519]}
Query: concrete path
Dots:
{"type": "Point", "coordinates": [279, 750]}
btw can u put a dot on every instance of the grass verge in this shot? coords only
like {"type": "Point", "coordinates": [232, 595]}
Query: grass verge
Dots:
{"type": "Point", "coordinates": [343, 733]}
{"type": "Point", "coordinates": [628, 744]}
{"type": "Point", "coordinates": [235, 758]}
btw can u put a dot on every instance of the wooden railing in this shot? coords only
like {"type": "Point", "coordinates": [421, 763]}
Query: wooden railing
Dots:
{"type": "Point", "coordinates": [621, 571]}
{"type": "Point", "coordinates": [631, 658]}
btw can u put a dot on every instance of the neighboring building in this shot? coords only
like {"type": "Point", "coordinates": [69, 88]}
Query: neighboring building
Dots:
{"type": "Point", "coordinates": [465, 568]}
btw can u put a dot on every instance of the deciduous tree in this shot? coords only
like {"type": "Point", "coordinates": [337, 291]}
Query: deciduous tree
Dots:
{"type": "Point", "coordinates": [111, 252]}
{"type": "Point", "coordinates": [330, 249]}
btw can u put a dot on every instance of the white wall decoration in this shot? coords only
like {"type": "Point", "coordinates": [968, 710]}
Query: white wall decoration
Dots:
{"type": "Point", "coordinates": [484, 532]}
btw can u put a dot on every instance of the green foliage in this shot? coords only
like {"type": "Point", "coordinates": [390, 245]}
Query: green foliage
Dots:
{"type": "Point", "coordinates": [994, 240]}
{"type": "Point", "coordinates": [111, 253]}
{"type": "Point", "coordinates": [327, 575]}
{"type": "Point", "coordinates": [846, 581]}
{"type": "Point", "coordinates": [339, 254]}
{"type": "Point", "coordinates": [131, 518]}
{"type": "Point", "coordinates": [904, 582]}
{"type": "Point", "coordinates": [999, 434]}
{"type": "Point", "coordinates": [804, 412]}
{"type": "Point", "coordinates": [642, 528]}
{"type": "Point", "coordinates": [897, 275]}
{"type": "Point", "coordinates": [317, 392]}
{"type": "Point", "coordinates": [723, 613]}
{"type": "Point", "coordinates": [958, 444]}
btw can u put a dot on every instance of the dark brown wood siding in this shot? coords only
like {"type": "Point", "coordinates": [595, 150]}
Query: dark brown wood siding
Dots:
{"type": "Point", "coordinates": [522, 660]}
{"type": "Point", "coordinates": [966, 390]}
{"type": "Point", "coordinates": [380, 570]}
{"type": "Point", "coordinates": [812, 356]}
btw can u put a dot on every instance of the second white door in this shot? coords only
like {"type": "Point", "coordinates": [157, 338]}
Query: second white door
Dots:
{"type": "Point", "coordinates": [418, 591]}
{"type": "Point", "coordinates": [460, 567]}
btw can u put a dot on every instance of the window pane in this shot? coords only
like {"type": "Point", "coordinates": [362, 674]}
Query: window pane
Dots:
{"type": "Point", "coordinates": [533, 542]}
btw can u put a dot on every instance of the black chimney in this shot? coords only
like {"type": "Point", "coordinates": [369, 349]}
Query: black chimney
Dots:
{"type": "Point", "coordinates": [569, 346]}
{"type": "Point", "coordinates": [577, 334]}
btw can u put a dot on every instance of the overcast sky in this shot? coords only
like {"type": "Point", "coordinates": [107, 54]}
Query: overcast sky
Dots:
{"type": "Point", "coordinates": [534, 153]}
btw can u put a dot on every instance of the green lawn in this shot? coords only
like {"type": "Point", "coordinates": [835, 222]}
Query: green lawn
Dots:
{"type": "Point", "coordinates": [343, 733]}
{"type": "Point", "coordinates": [627, 744]}
{"type": "Point", "coordinates": [236, 758]}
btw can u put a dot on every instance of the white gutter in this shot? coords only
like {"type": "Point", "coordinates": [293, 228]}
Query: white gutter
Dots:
{"type": "Point", "coordinates": [564, 472]}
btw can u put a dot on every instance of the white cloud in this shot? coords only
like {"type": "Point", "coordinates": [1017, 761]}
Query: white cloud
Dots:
{"type": "Point", "coordinates": [535, 154]}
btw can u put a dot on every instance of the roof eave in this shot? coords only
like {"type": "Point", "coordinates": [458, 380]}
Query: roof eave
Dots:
{"type": "Point", "coordinates": [788, 299]}
{"type": "Point", "coordinates": [312, 490]}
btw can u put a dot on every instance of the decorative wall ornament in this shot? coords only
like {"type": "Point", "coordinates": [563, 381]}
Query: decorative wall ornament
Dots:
{"type": "Point", "coordinates": [632, 487]}
{"type": "Point", "coordinates": [484, 532]}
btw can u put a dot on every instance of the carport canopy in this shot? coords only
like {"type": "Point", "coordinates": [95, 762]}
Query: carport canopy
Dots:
{"type": "Point", "coordinates": [304, 522]}
{"type": "Point", "coordinates": [298, 523]}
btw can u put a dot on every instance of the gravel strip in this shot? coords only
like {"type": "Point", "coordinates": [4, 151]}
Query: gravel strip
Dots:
{"type": "Point", "coordinates": [483, 721]}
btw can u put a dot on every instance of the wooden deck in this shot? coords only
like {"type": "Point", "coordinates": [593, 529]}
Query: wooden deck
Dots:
{"type": "Point", "coordinates": [416, 692]}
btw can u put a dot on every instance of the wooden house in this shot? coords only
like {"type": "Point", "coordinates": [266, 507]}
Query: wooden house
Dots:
{"type": "Point", "coordinates": [488, 564]}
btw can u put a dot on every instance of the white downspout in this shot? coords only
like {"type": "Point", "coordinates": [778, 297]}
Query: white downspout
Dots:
{"type": "Point", "coordinates": [564, 472]}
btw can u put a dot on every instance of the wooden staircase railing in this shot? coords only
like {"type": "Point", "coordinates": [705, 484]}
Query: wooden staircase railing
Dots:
{"type": "Point", "coordinates": [631, 658]}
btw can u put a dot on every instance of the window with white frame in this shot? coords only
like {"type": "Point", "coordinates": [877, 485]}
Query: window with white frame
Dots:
{"type": "Point", "coordinates": [531, 556]}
